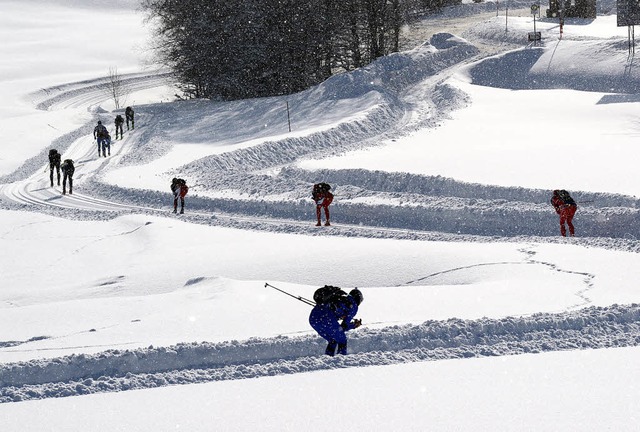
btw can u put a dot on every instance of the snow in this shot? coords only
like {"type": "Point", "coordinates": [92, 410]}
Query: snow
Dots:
{"type": "Point", "coordinates": [117, 315]}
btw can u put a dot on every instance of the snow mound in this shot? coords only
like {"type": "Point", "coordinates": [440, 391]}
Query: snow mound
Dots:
{"type": "Point", "coordinates": [116, 370]}
{"type": "Point", "coordinates": [597, 65]}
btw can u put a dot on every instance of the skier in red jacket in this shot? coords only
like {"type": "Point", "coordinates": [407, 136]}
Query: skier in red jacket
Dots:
{"type": "Point", "coordinates": [566, 207]}
{"type": "Point", "coordinates": [323, 199]}
{"type": "Point", "coordinates": [179, 189]}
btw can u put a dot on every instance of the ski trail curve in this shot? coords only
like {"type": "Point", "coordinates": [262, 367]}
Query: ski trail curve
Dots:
{"type": "Point", "coordinates": [91, 92]}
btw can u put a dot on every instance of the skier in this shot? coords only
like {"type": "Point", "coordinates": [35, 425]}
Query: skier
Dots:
{"type": "Point", "coordinates": [54, 162]}
{"type": "Point", "coordinates": [119, 121]}
{"type": "Point", "coordinates": [325, 317]}
{"type": "Point", "coordinates": [128, 113]}
{"type": "Point", "coordinates": [179, 188]}
{"type": "Point", "coordinates": [323, 199]}
{"type": "Point", "coordinates": [106, 145]}
{"type": "Point", "coordinates": [566, 207]}
{"type": "Point", "coordinates": [99, 134]}
{"type": "Point", "coordinates": [67, 169]}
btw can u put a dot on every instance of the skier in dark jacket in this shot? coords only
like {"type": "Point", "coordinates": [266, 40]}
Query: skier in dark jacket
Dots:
{"type": "Point", "coordinates": [106, 145]}
{"type": "Point", "coordinates": [67, 169]}
{"type": "Point", "coordinates": [325, 319]}
{"type": "Point", "coordinates": [54, 163]}
{"type": "Point", "coordinates": [100, 134]}
{"type": "Point", "coordinates": [128, 113]}
{"type": "Point", "coordinates": [179, 188]}
{"type": "Point", "coordinates": [119, 121]}
{"type": "Point", "coordinates": [566, 207]}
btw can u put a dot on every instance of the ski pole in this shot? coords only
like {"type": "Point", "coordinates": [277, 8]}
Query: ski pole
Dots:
{"type": "Point", "coordinates": [302, 299]}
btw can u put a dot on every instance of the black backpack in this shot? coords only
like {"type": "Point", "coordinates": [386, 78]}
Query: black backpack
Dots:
{"type": "Point", "coordinates": [565, 197]}
{"type": "Point", "coordinates": [102, 131]}
{"type": "Point", "coordinates": [320, 188]}
{"type": "Point", "coordinates": [54, 156]}
{"type": "Point", "coordinates": [328, 294]}
{"type": "Point", "coordinates": [68, 167]}
{"type": "Point", "coordinates": [119, 119]}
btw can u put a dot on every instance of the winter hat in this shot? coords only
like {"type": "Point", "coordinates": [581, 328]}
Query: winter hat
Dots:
{"type": "Point", "coordinates": [356, 295]}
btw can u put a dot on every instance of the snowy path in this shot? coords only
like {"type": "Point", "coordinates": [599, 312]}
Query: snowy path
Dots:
{"type": "Point", "coordinates": [91, 92]}
{"type": "Point", "coordinates": [371, 203]}
{"type": "Point", "coordinates": [117, 370]}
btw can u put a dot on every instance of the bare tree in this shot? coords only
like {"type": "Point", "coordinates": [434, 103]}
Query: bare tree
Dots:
{"type": "Point", "coordinates": [116, 87]}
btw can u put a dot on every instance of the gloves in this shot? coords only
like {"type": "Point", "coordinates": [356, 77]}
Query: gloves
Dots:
{"type": "Point", "coordinates": [354, 324]}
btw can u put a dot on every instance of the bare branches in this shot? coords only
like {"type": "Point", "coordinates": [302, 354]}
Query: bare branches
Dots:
{"type": "Point", "coordinates": [116, 88]}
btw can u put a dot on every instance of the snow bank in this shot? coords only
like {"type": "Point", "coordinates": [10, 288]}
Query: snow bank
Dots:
{"type": "Point", "coordinates": [115, 370]}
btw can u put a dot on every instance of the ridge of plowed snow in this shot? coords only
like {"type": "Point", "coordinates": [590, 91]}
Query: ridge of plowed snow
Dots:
{"type": "Point", "coordinates": [115, 370]}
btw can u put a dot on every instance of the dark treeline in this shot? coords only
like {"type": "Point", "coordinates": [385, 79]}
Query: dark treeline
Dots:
{"type": "Point", "coordinates": [236, 49]}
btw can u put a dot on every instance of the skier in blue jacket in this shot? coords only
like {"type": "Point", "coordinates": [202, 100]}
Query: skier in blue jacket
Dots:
{"type": "Point", "coordinates": [325, 317]}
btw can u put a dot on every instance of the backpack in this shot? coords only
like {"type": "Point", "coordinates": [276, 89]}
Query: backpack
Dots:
{"type": "Point", "coordinates": [67, 166]}
{"type": "Point", "coordinates": [54, 156]}
{"type": "Point", "coordinates": [565, 197]}
{"type": "Point", "coordinates": [101, 131]}
{"type": "Point", "coordinates": [119, 119]}
{"type": "Point", "coordinates": [320, 189]}
{"type": "Point", "coordinates": [328, 294]}
{"type": "Point", "coordinates": [180, 185]}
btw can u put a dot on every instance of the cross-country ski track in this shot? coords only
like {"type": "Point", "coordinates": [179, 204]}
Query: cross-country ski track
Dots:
{"type": "Point", "coordinates": [188, 363]}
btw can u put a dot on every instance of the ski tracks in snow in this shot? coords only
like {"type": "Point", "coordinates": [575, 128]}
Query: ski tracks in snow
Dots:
{"type": "Point", "coordinates": [90, 92]}
{"type": "Point", "coordinates": [428, 208]}
{"type": "Point", "coordinates": [186, 363]}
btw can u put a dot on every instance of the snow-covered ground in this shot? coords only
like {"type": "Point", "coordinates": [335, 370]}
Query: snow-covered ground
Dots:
{"type": "Point", "coordinates": [117, 315]}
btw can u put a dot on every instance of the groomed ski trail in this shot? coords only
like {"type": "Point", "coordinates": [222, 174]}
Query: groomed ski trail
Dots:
{"type": "Point", "coordinates": [187, 363]}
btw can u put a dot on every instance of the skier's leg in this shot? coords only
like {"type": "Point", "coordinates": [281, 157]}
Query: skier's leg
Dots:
{"type": "Point", "coordinates": [51, 175]}
{"type": "Point", "coordinates": [70, 184]}
{"type": "Point", "coordinates": [58, 172]}
{"type": "Point", "coordinates": [318, 213]}
{"type": "Point", "coordinates": [331, 348]}
{"type": "Point", "coordinates": [342, 348]}
{"type": "Point", "coordinates": [570, 213]}
{"type": "Point", "coordinates": [326, 215]}
{"type": "Point", "coordinates": [323, 321]}
{"type": "Point", "coordinates": [181, 205]}
{"type": "Point", "coordinates": [64, 184]}
{"type": "Point", "coordinates": [563, 230]}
